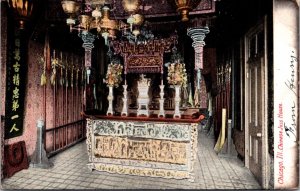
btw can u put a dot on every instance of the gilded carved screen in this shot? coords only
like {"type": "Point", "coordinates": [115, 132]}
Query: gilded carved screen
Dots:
{"type": "Point", "coordinates": [144, 58]}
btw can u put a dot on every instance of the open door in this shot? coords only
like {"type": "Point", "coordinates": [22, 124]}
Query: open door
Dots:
{"type": "Point", "coordinates": [256, 155]}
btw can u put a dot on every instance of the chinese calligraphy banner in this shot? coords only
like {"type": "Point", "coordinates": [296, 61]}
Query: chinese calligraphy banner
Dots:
{"type": "Point", "coordinates": [15, 84]}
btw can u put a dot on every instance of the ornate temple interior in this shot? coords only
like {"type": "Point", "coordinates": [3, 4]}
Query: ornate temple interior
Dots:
{"type": "Point", "coordinates": [139, 82]}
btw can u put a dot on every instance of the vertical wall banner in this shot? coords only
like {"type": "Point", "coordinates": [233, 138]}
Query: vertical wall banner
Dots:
{"type": "Point", "coordinates": [286, 92]}
{"type": "Point", "coordinates": [15, 84]}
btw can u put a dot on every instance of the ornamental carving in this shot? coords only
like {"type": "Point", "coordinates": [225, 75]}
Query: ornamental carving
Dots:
{"type": "Point", "coordinates": [154, 149]}
{"type": "Point", "coordinates": [173, 132]}
{"type": "Point", "coordinates": [144, 58]}
{"type": "Point", "coordinates": [144, 63]}
{"type": "Point", "coordinates": [141, 171]}
{"type": "Point", "coordinates": [147, 150]}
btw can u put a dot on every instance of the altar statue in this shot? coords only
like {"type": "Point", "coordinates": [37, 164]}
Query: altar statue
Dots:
{"type": "Point", "coordinates": [143, 97]}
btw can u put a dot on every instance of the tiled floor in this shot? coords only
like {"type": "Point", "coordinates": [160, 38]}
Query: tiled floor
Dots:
{"type": "Point", "coordinates": [70, 172]}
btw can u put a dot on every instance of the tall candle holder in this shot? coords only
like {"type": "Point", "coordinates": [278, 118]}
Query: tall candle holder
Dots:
{"type": "Point", "coordinates": [177, 101]}
{"type": "Point", "coordinates": [110, 99]}
{"type": "Point", "coordinates": [161, 101]}
{"type": "Point", "coordinates": [125, 101]}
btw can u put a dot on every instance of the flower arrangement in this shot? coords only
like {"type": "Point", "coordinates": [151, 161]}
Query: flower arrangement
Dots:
{"type": "Point", "coordinates": [177, 74]}
{"type": "Point", "coordinates": [113, 75]}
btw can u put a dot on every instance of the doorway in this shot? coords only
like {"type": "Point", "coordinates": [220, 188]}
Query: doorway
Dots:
{"type": "Point", "coordinates": [256, 84]}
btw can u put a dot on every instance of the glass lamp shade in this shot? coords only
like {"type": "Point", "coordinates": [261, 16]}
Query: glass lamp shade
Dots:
{"type": "Point", "coordinates": [138, 19]}
{"type": "Point", "coordinates": [105, 35]}
{"type": "Point", "coordinates": [105, 12]}
{"type": "Point", "coordinates": [96, 13]}
{"type": "Point", "coordinates": [131, 5]}
{"type": "Point", "coordinates": [70, 7]}
{"type": "Point", "coordinates": [185, 6]}
{"type": "Point", "coordinates": [136, 32]}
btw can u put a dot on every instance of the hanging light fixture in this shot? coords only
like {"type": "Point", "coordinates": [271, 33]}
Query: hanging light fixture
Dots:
{"type": "Point", "coordinates": [131, 6]}
{"type": "Point", "coordinates": [96, 15]}
{"type": "Point", "coordinates": [70, 8]}
{"type": "Point", "coordinates": [22, 10]}
{"type": "Point", "coordinates": [185, 6]}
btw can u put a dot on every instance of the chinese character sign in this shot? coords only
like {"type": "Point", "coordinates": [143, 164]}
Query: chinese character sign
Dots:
{"type": "Point", "coordinates": [16, 84]}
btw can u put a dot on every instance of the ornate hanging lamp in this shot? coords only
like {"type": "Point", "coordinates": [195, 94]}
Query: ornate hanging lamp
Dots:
{"type": "Point", "coordinates": [131, 6]}
{"type": "Point", "coordinates": [71, 8]}
{"type": "Point", "coordinates": [185, 6]}
{"type": "Point", "coordinates": [108, 26]}
{"type": "Point", "coordinates": [22, 10]}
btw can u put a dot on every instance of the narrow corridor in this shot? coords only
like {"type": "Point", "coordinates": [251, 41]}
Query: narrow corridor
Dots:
{"type": "Point", "coordinates": [70, 172]}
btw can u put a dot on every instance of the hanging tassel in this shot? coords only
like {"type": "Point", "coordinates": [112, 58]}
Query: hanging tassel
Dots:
{"type": "Point", "coordinates": [61, 80]}
{"type": "Point", "coordinates": [77, 77]}
{"type": "Point", "coordinates": [72, 76]}
{"type": "Point", "coordinates": [66, 80]}
{"type": "Point", "coordinates": [47, 53]}
{"type": "Point", "coordinates": [53, 77]}
{"type": "Point", "coordinates": [43, 79]}
{"type": "Point", "coordinates": [43, 76]}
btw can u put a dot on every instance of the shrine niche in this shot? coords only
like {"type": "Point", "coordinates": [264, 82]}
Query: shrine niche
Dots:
{"type": "Point", "coordinates": [143, 59]}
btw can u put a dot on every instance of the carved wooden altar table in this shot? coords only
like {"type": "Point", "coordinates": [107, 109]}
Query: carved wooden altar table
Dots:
{"type": "Point", "coordinates": [151, 146]}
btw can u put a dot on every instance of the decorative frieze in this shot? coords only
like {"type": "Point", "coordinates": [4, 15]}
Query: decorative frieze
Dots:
{"type": "Point", "coordinates": [144, 148]}
{"type": "Point", "coordinates": [147, 150]}
{"type": "Point", "coordinates": [176, 132]}
{"type": "Point", "coordinates": [130, 170]}
{"type": "Point", "coordinates": [142, 164]}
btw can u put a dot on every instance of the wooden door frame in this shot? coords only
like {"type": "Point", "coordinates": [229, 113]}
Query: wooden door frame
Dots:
{"type": "Point", "coordinates": [262, 25]}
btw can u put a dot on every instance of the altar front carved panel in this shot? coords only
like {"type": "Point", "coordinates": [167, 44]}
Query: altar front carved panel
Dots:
{"type": "Point", "coordinates": [145, 148]}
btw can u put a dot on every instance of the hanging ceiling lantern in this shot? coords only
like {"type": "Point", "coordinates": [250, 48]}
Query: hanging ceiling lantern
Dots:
{"type": "Point", "coordinates": [70, 8]}
{"type": "Point", "coordinates": [131, 5]}
{"type": "Point", "coordinates": [185, 6]}
{"type": "Point", "coordinates": [22, 10]}
{"type": "Point", "coordinates": [106, 22]}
